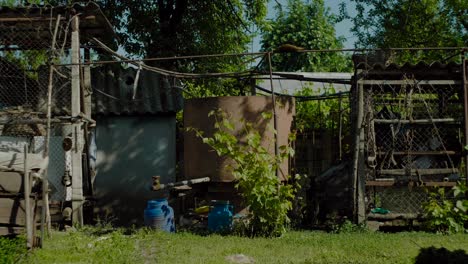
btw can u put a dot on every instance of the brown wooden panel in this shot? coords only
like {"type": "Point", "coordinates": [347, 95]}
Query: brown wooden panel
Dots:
{"type": "Point", "coordinates": [12, 211]}
{"type": "Point", "coordinates": [11, 182]}
{"type": "Point", "coordinates": [11, 230]}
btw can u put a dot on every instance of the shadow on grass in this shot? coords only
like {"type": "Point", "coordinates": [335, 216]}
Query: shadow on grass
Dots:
{"type": "Point", "coordinates": [441, 255]}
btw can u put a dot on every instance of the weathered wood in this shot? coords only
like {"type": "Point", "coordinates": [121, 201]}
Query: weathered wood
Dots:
{"type": "Point", "coordinates": [361, 182]}
{"type": "Point", "coordinates": [391, 216]}
{"type": "Point", "coordinates": [358, 179]}
{"type": "Point", "coordinates": [39, 18]}
{"type": "Point", "coordinates": [416, 121]}
{"type": "Point", "coordinates": [27, 202]}
{"type": "Point", "coordinates": [77, 174]}
{"type": "Point", "coordinates": [465, 108]}
{"type": "Point", "coordinates": [421, 172]}
{"type": "Point", "coordinates": [14, 162]}
{"type": "Point", "coordinates": [13, 211]}
{"type": "Point", "coordinates": [11, 182]}
{"type": "Point", "coordinates": [420, 153]}
{"type": "Point", "coordinates": [390, 183]}
{"type": "Point", "coordinates": [87, 89]}
{"type": "Point", "coordinates": [409, 82]}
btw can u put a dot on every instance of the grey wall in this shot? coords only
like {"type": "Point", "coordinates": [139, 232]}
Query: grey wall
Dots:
{"type": "Point", "coordinates": [130, 150]}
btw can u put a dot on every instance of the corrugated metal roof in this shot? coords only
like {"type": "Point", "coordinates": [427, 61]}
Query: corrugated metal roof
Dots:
{"type": "Point", "coordinates": [421, 71]}
{"type": "Point", "coordinates": [292, 82]}
{"type": "Point", "coordinates": [93, 22]}
{"type": "Point", "coordinates": [436, 65]}
{"type": "Point", "coordinates": [113, 92]}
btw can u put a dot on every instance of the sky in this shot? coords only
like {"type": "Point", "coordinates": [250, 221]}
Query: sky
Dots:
{"type": "Point", "coordinates": [342, 29]}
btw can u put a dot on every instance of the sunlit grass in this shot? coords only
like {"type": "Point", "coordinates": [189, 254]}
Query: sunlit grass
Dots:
{"type": "Point", "coordinates": [117, 246]}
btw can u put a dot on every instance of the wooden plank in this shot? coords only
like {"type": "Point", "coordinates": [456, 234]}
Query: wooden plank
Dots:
{"type": "Point", "coordinates": [11, 182]}
{"type": "Point", "coordinates": [12, 211]}
{"type": "Point", "coordinates": [391, 216]}
{"type": "Point", "coordinates": [77, 174]}
{"type": "Point", "coordinates": [416, 121]}
{"type": "Point", "coordinates": [393, 183]}
{"type": "Point", "coordinates": [14, 161]}
{"type": "Point", "coordinates": [419, 153]}
{"type": "Point", "coordinates": [12, 230]}
{"type": "Point", "coordinates": [403, 172]}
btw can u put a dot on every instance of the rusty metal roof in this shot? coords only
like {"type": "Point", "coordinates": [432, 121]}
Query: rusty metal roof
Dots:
{"type": "Point", "coordinates": [14, 21]}
{"type": "Point", "coordinates": [113, 88]}
{"type": "Point", "coordinates": [421, 70]}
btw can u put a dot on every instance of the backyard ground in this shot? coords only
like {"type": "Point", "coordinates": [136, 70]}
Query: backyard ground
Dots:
{"type": "Point", "coordinates": [91, 245]}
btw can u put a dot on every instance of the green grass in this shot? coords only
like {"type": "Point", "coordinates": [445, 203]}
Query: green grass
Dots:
{"type": "Point", "coordinates": [86, 246]}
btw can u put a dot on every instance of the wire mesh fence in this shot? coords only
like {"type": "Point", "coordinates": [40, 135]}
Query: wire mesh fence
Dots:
{"type": "Point", "coordinates": [412, 134]}
{"type": "Point", "coordinates": [26, 55]}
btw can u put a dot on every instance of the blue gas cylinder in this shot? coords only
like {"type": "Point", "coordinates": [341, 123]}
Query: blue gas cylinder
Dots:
{"type": "Point", "coordinates": [220, 217]}
{"type": "Point", "coordinates": [159, 215]}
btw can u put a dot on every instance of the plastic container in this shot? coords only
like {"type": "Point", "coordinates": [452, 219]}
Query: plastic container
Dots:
{"type": "Point", "coordinates": [220, 217]}
{"type": "Point", "coordinates": [159, 215]}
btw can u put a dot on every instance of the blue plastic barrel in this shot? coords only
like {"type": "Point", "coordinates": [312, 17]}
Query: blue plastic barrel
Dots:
{"type": "Point", "coordinates": [159, 215]}
{"type": "Point", "coordinates": [220, 217]}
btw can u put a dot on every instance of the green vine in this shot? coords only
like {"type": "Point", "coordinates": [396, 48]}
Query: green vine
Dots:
{"type": "Point", "coordinates": [447, 212]}
{"type": "Point", "coordinates": [268, 199]}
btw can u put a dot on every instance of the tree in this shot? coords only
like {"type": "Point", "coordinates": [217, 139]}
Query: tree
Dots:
{"type": "Point", "coordinates": [307, 25]}
{"type": "Point", "coordinates": [167, 28]}
{"type": "Point", "coordinates": [403, 24]}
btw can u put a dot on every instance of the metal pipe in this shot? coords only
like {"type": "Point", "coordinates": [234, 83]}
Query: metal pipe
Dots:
{"type": "Point", "coordinates": [340, 128]}
{"type": "Point", "coordinates": [275, 117]}
{"type": "Point", "coordinates": [157, 186]}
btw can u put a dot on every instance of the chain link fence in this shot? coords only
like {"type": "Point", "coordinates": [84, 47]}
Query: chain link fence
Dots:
{"type": "Point", "coordinates": [412, 135]}
{"type": "Point", "coordinates": [26, 53]}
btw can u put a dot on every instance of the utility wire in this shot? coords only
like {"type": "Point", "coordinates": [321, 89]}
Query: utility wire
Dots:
{"type": "Point", "coordinates": [303, 98]}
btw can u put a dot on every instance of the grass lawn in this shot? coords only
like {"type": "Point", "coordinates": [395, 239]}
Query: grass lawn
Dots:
{"type": "Point", "coordinates": [90, 246]}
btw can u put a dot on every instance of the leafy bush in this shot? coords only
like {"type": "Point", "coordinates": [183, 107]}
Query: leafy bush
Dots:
{"type": "Point", "coordinates": [447, 212]}
{"type": "Point", "coordinates": [320, 113]}
{"type": "Point", "coordinates": [349, 227]}
{"type": "Point", "coordinates": [255, 167]}
{"type": "Point", "coordinates": [11, 249]}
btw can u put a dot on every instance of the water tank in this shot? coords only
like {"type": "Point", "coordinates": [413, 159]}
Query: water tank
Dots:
{"type": "Point", "coordinates": [201, 161]}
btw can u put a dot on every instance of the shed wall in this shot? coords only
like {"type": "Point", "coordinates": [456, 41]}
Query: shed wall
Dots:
{"type": "Point", "coordinates": [131, 149]}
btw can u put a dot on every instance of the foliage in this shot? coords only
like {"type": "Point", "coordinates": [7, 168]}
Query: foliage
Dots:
{"type": "Point", "coordinates": [255, 167]}
{"type": "Point", "coordinates": [179, 27]}
{"type": "Point", "coordinates": [320, 113]}
{"type": "Point", "coordinates": [349, 227]}
{"type": "Point", "coordinates": [448, 212]}
{"type": "Point", "coordinates": [402, 24]}
{"type": "Point", "coordinates": [168, 28]}
{"type": "Point", "coordinates": [308, 25]}
{"type": "Point", "coordinates": [12, 249]}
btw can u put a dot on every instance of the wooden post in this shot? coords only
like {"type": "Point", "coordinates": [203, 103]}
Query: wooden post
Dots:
{"type": "Point", "coordinates": [465, 108]}
{"type": "Point", "coordinates": [27, 202]}
{"type": "Point", "coordinates": [87, 91]}
{"type": "Point", "coordinates": [76, 129]}
{"type": "Point", "coordinates": [361, 176]}
{"type": "Point", "coordinates": [358, 155]}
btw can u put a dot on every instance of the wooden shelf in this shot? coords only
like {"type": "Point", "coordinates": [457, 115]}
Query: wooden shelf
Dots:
{"type": "Point", "coordinates": [388, 183]}
{"type": "Point", "coordinates": [403, 172]}
{"type": "Point", "coordinates": [420, 153]}
{"type": "Point", "coordinates": [416, 121]}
